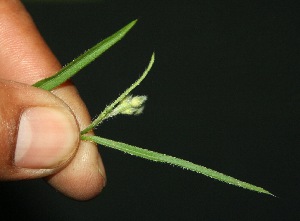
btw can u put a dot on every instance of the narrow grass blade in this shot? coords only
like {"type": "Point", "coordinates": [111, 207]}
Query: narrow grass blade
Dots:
{"type": "Point", "coordinates": [110, 107]}
{"type": "Point", "coordinates": [163, 158]}
{"type": "Point", "coordinates": [83, 60]}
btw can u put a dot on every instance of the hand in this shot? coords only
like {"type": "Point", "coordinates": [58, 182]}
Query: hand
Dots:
{"type": "Point", "coordinates": [39, 130]}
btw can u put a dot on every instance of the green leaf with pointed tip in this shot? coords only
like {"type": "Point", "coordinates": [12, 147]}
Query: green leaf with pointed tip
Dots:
{"type": "Point", "coordinates": [83, 60]}
{"type": "Point", "coordinates": [163, 158]}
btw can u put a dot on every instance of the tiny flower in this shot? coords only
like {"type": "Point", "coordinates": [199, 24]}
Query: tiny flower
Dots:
{"type": "Point", "coordinates": [138, 101]}
{"type": "Point", "coordinates": [128, 111]}
{"type": "Point", "coordinates": [130, 105]}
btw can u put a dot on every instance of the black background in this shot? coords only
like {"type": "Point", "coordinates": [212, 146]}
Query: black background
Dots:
{"type": "Point", "coordinates": [223, 92]}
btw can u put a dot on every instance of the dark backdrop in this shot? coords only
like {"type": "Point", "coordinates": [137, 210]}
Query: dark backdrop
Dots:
{"type": "Point", "coordinates": [224, 93]}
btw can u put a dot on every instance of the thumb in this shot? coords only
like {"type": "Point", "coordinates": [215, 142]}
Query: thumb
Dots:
{"type": "Point", "coordinates": [38, 132]}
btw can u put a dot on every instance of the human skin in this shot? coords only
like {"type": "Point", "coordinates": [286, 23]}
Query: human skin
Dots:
{"type": "Point", "coordinates": [54, 151]}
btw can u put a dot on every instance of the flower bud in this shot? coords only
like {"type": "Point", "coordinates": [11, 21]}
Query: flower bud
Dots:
{"type": "Point", "coordinates": [130, 105]}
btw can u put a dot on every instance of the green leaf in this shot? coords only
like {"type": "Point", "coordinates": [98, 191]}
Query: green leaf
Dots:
{"type": "Point", "coordinates": [163, 158]}
{"type": "Point", "coordinates": [83, 60]}
{"type": "Point", "coordinates": [110, 107]}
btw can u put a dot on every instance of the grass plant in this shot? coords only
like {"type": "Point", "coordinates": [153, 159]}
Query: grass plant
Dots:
{"type": "Point", "coordinates": [132, 105]}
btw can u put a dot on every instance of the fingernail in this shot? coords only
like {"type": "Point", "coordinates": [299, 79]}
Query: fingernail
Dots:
{"type": "Point", "coordinates": [46, 138]}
